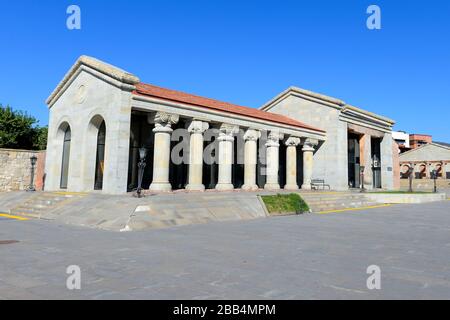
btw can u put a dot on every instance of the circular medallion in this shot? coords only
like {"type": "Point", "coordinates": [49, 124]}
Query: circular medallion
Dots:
{"type": "Point", "coordinates": [81, 94]}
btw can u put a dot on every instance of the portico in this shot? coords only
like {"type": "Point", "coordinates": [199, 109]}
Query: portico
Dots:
{"type": "Point", "coordinates": [209, 155]}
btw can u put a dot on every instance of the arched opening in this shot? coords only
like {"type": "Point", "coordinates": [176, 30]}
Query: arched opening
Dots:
{"type": "Point", "coordinates": [100, 158]}
{"type": "Point", "coordinates": [65, 156]}
{"type": "Point", "coordinates": [404, 174]}
{"type": "Point", "coordinates": [439, 171]}
{"type": "Point", "coordinates": [422, 171]}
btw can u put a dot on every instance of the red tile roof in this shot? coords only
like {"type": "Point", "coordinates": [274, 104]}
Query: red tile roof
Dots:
{"type": "Point", "coordinates": [177, 96]}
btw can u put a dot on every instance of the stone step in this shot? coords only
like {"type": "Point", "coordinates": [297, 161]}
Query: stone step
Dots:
{"type": "Point", "coordinates": [319, 202]}
{"type": "Point", "coordinates": [334, 200]}
{"type": "Point", "coordinates": [342, 205]}
{"type": "Point", "coordinates": [27, 213]}
{"type": "Point", "coordinates": [340, 202]}
{"type": "Point", "coordinates": [345, 204]}
{"type": "Point", "coordinates": [41, 204]}
{"type": "Point", "coordinates": [29, 208]}
{"type": "Point", "coordinates": [325, 197]}
{"type": "Point", "coordinates": [317, 209]}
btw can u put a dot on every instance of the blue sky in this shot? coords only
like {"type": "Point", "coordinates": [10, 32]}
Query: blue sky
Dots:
{"type": "Point", "coordinates": [243, 52]}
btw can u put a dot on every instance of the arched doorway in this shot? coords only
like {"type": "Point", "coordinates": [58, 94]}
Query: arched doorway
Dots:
{"type": "Point", "coordinates": [65, 157]}
{"type": "Point", "coordinates": [100, 158]}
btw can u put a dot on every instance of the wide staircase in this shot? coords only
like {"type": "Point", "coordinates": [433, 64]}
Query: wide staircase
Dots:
{"type": "Point", "coordinates": [319, 201]}
{"type": "Point", "coordinates": [43, 203]}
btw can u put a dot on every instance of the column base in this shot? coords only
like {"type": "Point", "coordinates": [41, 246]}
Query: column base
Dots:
{"type": "Point", "coordinates": [195, 187]}
{"type": "Point", "coordinates": [224, 186]}
{"type": "Point", "coordinates": [272, 186]}
{"type": "Point", "coordinates": [292, 187]}
{"type": "Point", "coordinates": [248, 187]}
{"type": "Point", "coordinates": [160, 186]}
{"type": "Point", "coordinates": [368, 186]}
{"type": "Point", "coordinates": [306, 187]}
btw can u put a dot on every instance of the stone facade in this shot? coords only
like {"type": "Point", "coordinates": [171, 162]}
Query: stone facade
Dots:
{"type": "Point", "coordinates": [15, 169]}
{"type": "Point", "coordinates": [339, 119]}
{"type": "Point", "coordinates": [82, 103]}
{"type": "Point", "coordinates": [94, 94]}
{"type": "Point", "coordinates": [424, 160]}
{"type": "Point", "coordinates": [297, 141]}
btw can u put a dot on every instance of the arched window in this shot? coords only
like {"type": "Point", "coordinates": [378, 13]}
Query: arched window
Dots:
{"type": "Point", "coordinates": [100, 162]}
{"type": "Point", "coordinates": [65, 158]}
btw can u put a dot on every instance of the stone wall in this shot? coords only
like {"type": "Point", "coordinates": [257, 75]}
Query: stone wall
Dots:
{"type": "Point", "coordinates": [330, 160]}
{"type": "Point", "coordinates": [15, 169]}
{"type": "Point", "coordinates": [425, 184]}
{"type": "Point", "coordinates": [396, 161]}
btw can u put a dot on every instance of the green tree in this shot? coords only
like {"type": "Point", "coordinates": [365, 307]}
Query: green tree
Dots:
{"type": "Point", "coordinates": [18, 130]}
{"type": "Point", "coordinates": [40, 138]}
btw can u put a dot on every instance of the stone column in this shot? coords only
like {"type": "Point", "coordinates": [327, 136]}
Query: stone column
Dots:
{"type": "Point", "coordinates": [387, 162]}
{"type": "Point", "coordinates": [291, 163]}
{"type": "Point", "coordinates": [427, 170]}
{"type": "Point", "coordinates": [161, 159]}
{"type": "Point", "coordinates": [226, 139]}
{"type": "Point", "coordinates": [196, 129]}
{"type": "Point", "coordinates": [444, 170]}
{"type": "Point", "coordinates": [250, 159]}
{"type": "Point", "coordinates": [272, 159]}
{"type": "Point", "coordinates": [366, 160]}
{"type": "Point", "coordinates": [308, 153]}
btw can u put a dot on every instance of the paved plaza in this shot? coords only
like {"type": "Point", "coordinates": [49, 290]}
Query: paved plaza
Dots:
{"type": "Point", "coordinates": [311, 256]}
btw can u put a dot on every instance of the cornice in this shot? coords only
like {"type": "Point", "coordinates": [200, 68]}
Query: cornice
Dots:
{"type": "Point", "coordinates": [127, 79]}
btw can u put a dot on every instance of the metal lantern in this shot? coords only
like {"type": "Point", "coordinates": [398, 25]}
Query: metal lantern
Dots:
{"type": "Point", "coordinates": [141, 168]}
{"type": "Point", "coordinates": [434, 176]}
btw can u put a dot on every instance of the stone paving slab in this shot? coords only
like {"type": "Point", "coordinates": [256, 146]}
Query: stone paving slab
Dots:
{"type": "Point", "coordinates": [171, 210]}
{"type": "Point", "coordinates": [126, 213]}
{"type": "Point", "coordinates": [295, 257]}
{"type": "Point", "coordinates": [12, 199]}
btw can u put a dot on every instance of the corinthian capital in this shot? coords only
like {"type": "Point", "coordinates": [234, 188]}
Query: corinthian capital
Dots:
{"type": "Point", "coordinates": [163, 121]}
{"type": "Point", "coordinates": [197, 126]}
{"type": "Point", "coordinates": [292, 141]}
{"type": "Point", "coordinates": [227, 131]}
{"type": "Point", "coordinates": [252, 135]}
{"type": "Point", "coordinates": [273, 140]}
{"type": "Point", "coordinates": [166, 119]}
{"type": "Point", "coordinates": [311, 142]}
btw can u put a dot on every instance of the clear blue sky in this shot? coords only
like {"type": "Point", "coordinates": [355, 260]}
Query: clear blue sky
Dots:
{"type": "Point", "coordinates": [243, 52]}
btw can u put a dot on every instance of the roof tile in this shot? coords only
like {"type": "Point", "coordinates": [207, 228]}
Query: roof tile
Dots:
{"type": "Point", "coordinates": [177, 96]}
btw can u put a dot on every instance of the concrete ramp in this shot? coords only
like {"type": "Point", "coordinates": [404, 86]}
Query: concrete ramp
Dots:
{"type": "Point", "coordinates": [160, 211]}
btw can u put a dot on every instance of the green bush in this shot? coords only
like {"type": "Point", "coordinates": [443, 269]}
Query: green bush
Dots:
{"type": "Point", "coordinates": [285, 203]}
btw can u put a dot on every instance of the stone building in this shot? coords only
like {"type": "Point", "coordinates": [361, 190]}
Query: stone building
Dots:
{"type": "Point", "coordinates": [356, 138]}
{"type": "Point", "coordinates": [101, 116]}
{"type": "Point", "coordinates": [423, 160]}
